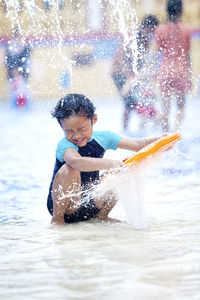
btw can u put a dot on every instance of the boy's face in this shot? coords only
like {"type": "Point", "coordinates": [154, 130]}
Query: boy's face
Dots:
{"type": "Point", "coordinates": [78, 129]}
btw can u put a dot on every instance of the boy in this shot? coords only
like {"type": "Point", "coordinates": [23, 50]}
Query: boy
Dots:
{"type": "Point", "coordinates": [79, 158]}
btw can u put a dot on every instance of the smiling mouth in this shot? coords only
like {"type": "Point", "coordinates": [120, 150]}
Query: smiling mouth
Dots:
{"type": "Point", "coordinates": [78, 142]}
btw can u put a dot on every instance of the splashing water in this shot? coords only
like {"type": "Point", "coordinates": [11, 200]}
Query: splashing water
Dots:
{"type": "Point", "coordinates": [128, 186]}
{"type": "Point", "coordinates": [42, 26]}
{"type": "Point", "coordinates": [129, 183]}
{"type": "Point", "coordinates": [131, 195]}
{"type": "Point", "coordinates": [127, 24]}
{"type": "Point", "coordinates": [45, 23]}
{"type": "Point", "coordinates": [98, 261]}
{"type": "Point", "coordinates": [35, 17]}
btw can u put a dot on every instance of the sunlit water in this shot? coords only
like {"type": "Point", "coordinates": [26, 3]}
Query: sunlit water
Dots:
{"type": "Point", "coordinates": [96, 260]}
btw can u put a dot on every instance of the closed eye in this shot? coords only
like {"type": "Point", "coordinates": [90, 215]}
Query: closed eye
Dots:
{"type": "Point", "coordinates": [69, 131]}
{"type": "Point", "coordinates": [81, 129]}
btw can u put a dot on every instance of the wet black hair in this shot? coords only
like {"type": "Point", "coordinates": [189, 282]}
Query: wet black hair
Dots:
{"type": "Point", "coordinates": [150, 21]}
{"type": "Point", "coordinates": [174, 9]}
{"type": "Point", "coordinates": [73, 104]}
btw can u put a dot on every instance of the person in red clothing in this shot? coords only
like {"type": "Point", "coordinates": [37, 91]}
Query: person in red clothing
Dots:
{"type": "Point", "coordinates": [173, 43]}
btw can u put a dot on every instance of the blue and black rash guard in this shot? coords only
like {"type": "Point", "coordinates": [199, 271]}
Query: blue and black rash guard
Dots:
{"type": "Point", "coordinates": [96, 147]}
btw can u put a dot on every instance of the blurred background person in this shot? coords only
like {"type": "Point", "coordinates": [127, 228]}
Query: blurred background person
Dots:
{"type": "Point", "coordinates": [17, 55]}
{"type": "Point", "coordinates": [19, 92]}
{"type": "Point", "coordinates": [142, 86]}
{"type": "Point", "coordinates": [17, 60]}
{"type": "Point", "coordinates": [135, 86]}
{"type": "Point", "coordinates": [173, 43]}
{"type": "Point", "coordinates": [122, 69]}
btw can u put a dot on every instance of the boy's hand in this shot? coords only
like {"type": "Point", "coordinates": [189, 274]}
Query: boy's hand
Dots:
{"type": "Point", "coordinates": [114, 169]}
{"type": "Point", "coordinates": [118, 164]}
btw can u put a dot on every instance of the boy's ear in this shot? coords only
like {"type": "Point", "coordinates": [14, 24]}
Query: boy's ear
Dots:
{"type": "Point", "coordinates": [95, 118]}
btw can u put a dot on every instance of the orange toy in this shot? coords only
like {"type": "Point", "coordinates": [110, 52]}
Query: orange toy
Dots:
{"type": "Point", "coordinates": [162, 144]}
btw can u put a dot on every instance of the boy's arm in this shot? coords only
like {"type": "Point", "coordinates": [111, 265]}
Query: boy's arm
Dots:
{"type": "Point", "coordinates": [89, 164]}
{"type": "Point", "coordinates": [135, 144]}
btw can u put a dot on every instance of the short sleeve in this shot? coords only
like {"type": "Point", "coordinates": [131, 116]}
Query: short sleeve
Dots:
{"type": "Point", "coordinates": [62, 146]}
{"type": "Point", "coordinates": [107, 139]}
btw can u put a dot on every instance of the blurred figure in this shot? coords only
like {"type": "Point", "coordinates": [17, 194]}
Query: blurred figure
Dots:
{"type": "Point", "coordinates": [173, 42]}
{"type": "Point", "coordinates": [17, 56]}
{"type": "Point", "coordinates": [133, 88]}
{"type": "Point", "coordinates": [20, 95]}
{"type": "Point", "coordinates": [142, 86]}
{"type": "Point", "coordinates": [17, 65]}
{"type": "Point", "coordinates": [122, 69]}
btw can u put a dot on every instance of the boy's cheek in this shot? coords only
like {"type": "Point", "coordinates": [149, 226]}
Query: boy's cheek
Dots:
{"type": "Point", "coordinates": [68, 137]}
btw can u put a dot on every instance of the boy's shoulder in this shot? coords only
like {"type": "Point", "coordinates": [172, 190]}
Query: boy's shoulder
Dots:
{"type": "Point", "coordinates": [100, 132]}
{"type": "Point", "coordinates": [62, 146]}
{"type": "Point", "coordinates": [107, 139]}
{"type": "Point", "coordinates": [104, 133]}
{"type": "Point", "coordinates": [64, 142]}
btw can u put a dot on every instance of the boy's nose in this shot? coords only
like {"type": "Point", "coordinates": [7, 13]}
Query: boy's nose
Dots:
{"type": "Point", "coordinates": [76, 136]}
